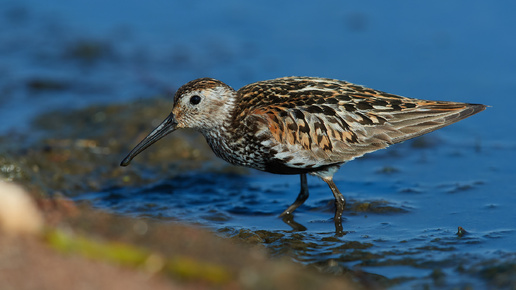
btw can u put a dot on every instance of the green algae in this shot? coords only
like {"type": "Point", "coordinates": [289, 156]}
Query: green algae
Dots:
{"type": "Point", "coordinates": [181, 267]}
{"type": "Point", "coordinates": [117, 253]}
{"type": "Point", "coordinates": [190, 269]}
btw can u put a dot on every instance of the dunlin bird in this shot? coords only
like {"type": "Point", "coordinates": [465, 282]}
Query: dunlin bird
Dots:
{"type": "Point", "coordinates": [301, 125]}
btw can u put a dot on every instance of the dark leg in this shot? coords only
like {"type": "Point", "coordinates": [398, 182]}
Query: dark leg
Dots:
{"type": "Point", "coordinates": [303, 195]}
{"type": "Point", "coordinates": [340, 202]}
{"type": "Point", "coordinates": [289, 220]}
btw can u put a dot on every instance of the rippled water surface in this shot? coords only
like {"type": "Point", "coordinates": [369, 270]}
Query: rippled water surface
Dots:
{"type": "Point", "coordinates": [405, 204]}
{"type": "Point", "coordinates": [404, 209]}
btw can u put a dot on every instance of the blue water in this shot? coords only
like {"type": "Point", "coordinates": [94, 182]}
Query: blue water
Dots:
{"type": "Point", "coordinates": [457, 51]}
{"type": "Point", "coordinates": [461, 51]}
{"type": "Point", "coordinates": [430, 193]}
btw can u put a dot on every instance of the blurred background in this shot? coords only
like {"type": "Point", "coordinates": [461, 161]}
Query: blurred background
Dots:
{"type": "Point", "coordinates": [68, 54]}
{"type": "Point", "coordinates": [58, 56]}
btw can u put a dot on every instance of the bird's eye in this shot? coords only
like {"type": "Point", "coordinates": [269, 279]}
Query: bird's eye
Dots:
{"type": "Point", "coordinates": [194, 100]}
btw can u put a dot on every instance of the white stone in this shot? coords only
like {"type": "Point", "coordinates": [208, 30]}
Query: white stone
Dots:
{"type": "Point", "coordinates": [18, 212]}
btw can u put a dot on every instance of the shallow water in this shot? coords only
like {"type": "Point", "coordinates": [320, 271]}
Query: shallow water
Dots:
{"type": "Point", "coordinates": [404, 208]}
{"type": "Point", "coordinates": [405, 203]}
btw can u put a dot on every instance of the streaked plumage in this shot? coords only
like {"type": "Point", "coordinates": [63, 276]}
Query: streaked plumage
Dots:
{"type": "Point", "coordinates": [300, 125]}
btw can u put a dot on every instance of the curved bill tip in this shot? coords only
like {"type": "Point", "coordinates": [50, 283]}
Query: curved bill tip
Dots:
{"type": "Point", "coordinates": [166, 127]}
{"type": "Point", "coordinates": [126, 161]}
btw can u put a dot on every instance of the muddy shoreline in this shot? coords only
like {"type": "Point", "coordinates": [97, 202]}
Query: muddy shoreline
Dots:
{"type": "Point", "coordinates": [79, 152]}
{"type": "Point", "coordinates": [71, 153]}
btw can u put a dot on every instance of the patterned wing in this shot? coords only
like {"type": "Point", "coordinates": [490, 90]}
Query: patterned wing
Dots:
{"type": "Point", "coordinates": [320, 122]}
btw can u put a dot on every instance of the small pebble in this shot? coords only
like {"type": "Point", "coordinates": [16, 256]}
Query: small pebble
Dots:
{"type": "Point", "coordinates": [461, 232]}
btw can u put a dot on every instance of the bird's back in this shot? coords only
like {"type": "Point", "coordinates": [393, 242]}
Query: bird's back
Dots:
{"type": "Point", "coordinates": [307, 123]}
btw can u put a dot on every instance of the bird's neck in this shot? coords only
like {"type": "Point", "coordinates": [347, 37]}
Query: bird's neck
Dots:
{"type": "Point", "coordinates": [220, 131]}
{"type": "Point", "coordinates": [221, 120]}
{"type": "Point", "coordinates": [222, 135]}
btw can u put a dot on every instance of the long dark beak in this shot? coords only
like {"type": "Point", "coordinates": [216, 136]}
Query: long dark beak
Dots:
{"type": "Point", "coordinates": [166, 127]}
